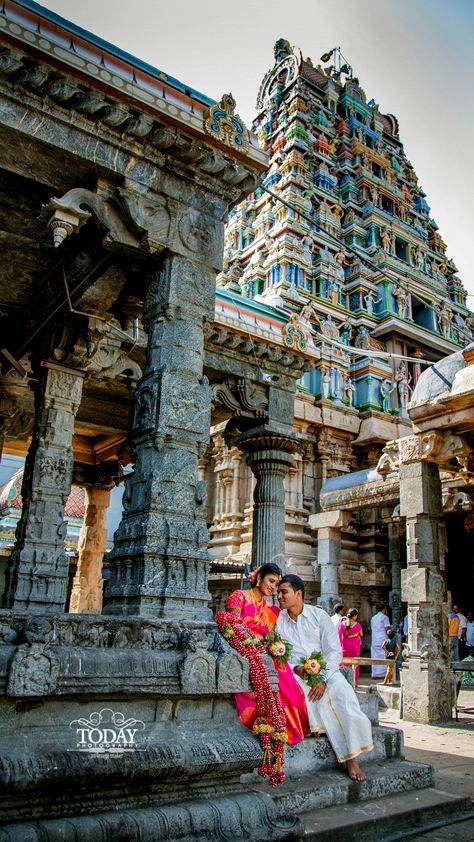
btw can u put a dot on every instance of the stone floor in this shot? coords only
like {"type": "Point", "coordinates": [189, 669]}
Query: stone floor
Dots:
{"type": "Point", "coordinates": [449, 748]}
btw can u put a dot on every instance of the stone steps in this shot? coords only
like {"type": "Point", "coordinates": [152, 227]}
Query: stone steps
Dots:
{"type": "Point", "coordinates": [398, 793]}
{"type": "Point", "coordinates": [382, 819]}
{"type": "Point", "coordinates": [315, 754]}
{"type": "Point", "coordinates": [329, 787]}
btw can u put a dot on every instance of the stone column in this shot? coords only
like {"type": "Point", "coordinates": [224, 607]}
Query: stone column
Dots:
{"type": "Point", "coordinates": [269, 452]}
{"type": "Point", "coordinates": [86, 594]}
{"type": "Point", "coordinates": [395, 596]}
{"type": "Point", "coordinates": [37, 574]}
{"type": "Point", "coordinates": [329, 526]}
{"type": "Point", "coordinates": [159, 563]}
{"type": "Point", "coordinates": [426, 680]}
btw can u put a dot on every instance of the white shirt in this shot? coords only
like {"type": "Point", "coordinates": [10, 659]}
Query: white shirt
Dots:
{"type": "Point", "coordinates": [470, 633]}
{"type": "Point", "coordinates": [336, 619]}
{"type": "Point", "coordinates": [462, 625]}
{"type": "Point", "coordinates": [312, 631]}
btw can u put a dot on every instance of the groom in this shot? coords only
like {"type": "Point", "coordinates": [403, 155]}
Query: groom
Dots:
{"type": "Point", "coordinates": [332, 706]}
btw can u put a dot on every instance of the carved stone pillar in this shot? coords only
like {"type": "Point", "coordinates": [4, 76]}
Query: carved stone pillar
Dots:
{"type": "Point", "coordinates": [159, 563]}
{"type": "Point", "coordinates": [86, 594]}
{"type": "Point", "coordinates": [426, 682]}
{"type": "Point", "coordinates": [395, 597]}
{"type": "Point", "coordinates": [37, 574]}
{"type": "Point", "coordinates": [329, 526]}
{"type": "Point", "coordinates": [269, 455]}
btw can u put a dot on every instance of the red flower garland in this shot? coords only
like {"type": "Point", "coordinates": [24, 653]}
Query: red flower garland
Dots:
{"type": "Point", "coordinates": [270, 723]}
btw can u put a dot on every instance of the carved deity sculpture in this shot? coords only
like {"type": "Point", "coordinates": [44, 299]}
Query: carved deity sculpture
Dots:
{"type": "Point", "coordinates": [402, 301]}
{"type": "Point", "coordinates": [325, 381]}
{"type": "Point", "coordinates": [349, 389]}
{"type": "Point", "coordinates": [386, 389]}
{"type": "Point", "coordinates": [403, 379]}
{"type": "Point", "coordinates": [444, 319]}
{"type": "Point", "coordinates": [386, 239]}
{"type": "Point", "coordinates": [370, 299]}
{"type": "Point", "coordinates": [420, 259]}
{"type": "Point", "coordinates": [346, 332]}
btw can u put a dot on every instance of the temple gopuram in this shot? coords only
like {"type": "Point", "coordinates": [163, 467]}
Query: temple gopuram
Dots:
{"type": "Point", "coordinates": [316, 410]}
{"type": "Point", "coordinates": [339, 240]}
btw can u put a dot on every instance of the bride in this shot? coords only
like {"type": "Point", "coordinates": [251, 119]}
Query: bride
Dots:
{"type": "Point", "coordinates": [260, 616]}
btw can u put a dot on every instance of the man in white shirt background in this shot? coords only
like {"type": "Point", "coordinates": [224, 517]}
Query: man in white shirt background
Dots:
{"type": "Point", "coordinates": [378, 627]}
{"type": "Point", "coordinates": [338, 615]}
{"type": "Point", "coordinates": [470, 633]}
{"type": "Point", "coordinates": [332, 705]}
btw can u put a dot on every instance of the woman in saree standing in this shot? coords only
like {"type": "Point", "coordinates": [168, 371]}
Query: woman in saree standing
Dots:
{"type": "Point", "coordinates": [350, 635]}
{"type": "Point", "coordinates": [260, 617]}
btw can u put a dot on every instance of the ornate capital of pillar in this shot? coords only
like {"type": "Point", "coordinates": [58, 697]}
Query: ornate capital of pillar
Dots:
{"type": "Point", "coordinates": [269, 437]}
{"type": "Point", "coordinates": [270, 449]}
{"type": "Point", "coordinates": [105, 475]}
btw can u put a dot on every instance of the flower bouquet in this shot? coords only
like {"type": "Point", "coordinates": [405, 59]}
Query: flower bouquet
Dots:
{"type": "Point", "coordinates": [279, 649]}
{"type": "Point", "coordinates": [313, 667]}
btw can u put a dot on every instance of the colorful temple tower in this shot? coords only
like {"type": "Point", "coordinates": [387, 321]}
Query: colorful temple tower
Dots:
{"type": "Point", "coordinates": [341, 221]}
{"type": "Point", "coordinates": [339, 240]}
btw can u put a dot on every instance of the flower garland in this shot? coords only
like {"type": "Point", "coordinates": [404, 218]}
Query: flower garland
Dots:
{"type": "Point", "coordinates": [279, 649]}
{"type": "Point", "coordinates": [270, 723]}
{"type": "Point", "coordinates": [312, 668]}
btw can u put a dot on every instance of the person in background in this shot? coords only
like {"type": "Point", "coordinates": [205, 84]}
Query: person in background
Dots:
{"type": "Point", "coordinates": [391, 647]}
{"type": "Point", "coordinates": [461, 633]}
{"type": "Point", "coordinates": [350, 636]}
{"type": "Point", "coordinates": [453, 631]}
{"type": "Point", "coordinates": [378, 627]}
{"type": "Point", "coordinates": [405, 628]}
{"type": "Point", "coordinates": [338, 614]}
{"type": "Point", "coordinates": [470, 633]}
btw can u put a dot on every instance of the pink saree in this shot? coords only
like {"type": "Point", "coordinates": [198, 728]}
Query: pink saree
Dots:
{"type": "Point", "coordinates": [261, 622]}
{"type": "Point", "coordinates": [351, 641]}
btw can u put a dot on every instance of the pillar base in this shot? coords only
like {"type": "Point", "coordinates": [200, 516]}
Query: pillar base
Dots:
{"type": "Point", "coordinates": [424, 695]}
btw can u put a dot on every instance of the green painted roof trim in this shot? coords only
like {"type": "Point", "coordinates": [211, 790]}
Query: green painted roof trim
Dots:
{"type": "Point", "coordinates": [250, 304]}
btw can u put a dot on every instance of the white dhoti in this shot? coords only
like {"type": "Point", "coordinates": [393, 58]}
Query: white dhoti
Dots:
{"type": "Point", "coordinates": [338, 715]}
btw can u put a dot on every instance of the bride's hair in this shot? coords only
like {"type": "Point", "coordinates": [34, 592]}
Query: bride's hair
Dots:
{"type": "Point", "coordinates": [264, 570]}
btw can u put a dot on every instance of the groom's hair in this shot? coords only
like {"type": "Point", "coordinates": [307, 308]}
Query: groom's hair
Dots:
{"type": "Point", "coordinates": [296, 583]}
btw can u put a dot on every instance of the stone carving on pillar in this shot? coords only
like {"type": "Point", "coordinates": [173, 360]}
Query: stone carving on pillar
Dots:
{"type": "Point", "coordinates": [86, 594]}
{"type": "Point", "coordinates": [329, 526]}
{"type": "Point", "coordinates": [160, 560]}
{"type": "Point", "coordinates": [37, 574]}
{"type": "Point", "coordinates": [269, 450]}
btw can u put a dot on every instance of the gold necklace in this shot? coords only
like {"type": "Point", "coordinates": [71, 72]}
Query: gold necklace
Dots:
{"type": "Point", "coordinates": [258, 607]}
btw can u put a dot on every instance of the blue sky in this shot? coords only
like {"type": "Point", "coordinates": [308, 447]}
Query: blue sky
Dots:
{"type": "Point", "coordinates": [414, 57]}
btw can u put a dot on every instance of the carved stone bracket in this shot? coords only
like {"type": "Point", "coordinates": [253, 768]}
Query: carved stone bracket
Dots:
{"type": "Point", "coordinates": [238, 395]}
{"type": "Point", "coordinates": [449, 451]}
{"type": "Point", "coordinates": [100, 351]}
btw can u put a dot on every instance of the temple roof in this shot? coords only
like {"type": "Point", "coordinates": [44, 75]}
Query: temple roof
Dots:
{"type": "Point", "coordinates": [85, 55]}
{"type": "Point", "coordinates": [10, 497]}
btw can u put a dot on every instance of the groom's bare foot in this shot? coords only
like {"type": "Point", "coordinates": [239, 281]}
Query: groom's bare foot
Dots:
{"type": "Point", "coordinates": [354, 771]}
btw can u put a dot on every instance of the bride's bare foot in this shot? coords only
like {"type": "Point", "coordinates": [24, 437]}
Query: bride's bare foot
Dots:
{"type": "Point", "coordinates": [354, 771]}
